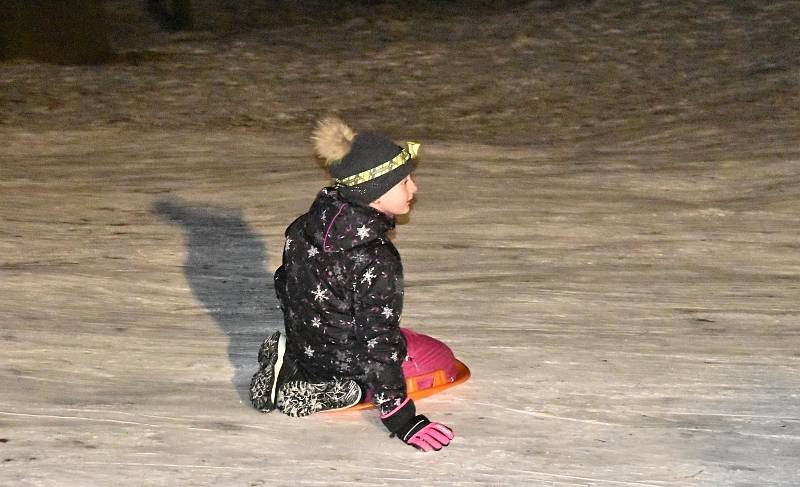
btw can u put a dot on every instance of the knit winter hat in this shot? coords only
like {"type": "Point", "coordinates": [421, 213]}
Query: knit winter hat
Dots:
{"type": "Point", "coordinates": [364, 166]}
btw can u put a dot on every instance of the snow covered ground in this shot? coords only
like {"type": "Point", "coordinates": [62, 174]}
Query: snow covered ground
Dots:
{"type": "Point", "coordinates": [622, 277]}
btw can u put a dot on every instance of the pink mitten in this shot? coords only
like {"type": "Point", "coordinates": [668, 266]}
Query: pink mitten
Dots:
{"type": "Point", "coordinates": [417, 430]}
{"type": "Point", "coordinates": [428, 436]}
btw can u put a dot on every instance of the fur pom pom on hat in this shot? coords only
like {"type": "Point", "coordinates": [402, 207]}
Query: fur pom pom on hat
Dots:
{"type": "Point", "coordinates": [332, 139]}
{"type": "Point", "coordinates": [364, 165]}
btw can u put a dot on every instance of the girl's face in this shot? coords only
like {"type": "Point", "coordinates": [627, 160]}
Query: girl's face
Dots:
{"type": "Point", "coordinates": [397, 200]}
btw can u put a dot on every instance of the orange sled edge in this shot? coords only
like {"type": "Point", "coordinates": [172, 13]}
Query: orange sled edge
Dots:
{"type": "Point", "coordinates": [412, 385]}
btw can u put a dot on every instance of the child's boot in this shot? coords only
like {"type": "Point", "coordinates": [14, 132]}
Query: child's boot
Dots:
{"type": "Point", "coordinates": [300, 398]}
{"type": "Point", "coordinates": [264, 385]}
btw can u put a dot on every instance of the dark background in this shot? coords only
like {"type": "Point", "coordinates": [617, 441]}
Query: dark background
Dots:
{"type": "Point", "coordinates": [520, 73]}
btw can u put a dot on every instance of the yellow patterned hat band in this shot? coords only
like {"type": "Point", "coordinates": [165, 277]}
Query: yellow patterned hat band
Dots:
{"type": "Point", "coordinates": [410, 152]}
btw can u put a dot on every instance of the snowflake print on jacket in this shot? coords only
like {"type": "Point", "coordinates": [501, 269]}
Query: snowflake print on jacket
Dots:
{"type": "Point", "coordinates": [342, 304]}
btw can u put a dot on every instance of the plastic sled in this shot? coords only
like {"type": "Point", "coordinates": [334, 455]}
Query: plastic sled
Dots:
{"type": "Point", "coordinates": [430, 369]}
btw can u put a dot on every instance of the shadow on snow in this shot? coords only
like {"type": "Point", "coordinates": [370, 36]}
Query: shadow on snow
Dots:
{"type": "Point", "coordinates": [225, 267]}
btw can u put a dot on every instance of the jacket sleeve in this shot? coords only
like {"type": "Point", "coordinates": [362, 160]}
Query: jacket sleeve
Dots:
{"type": "Point", "coordinates": [279, 277]}
{"type": "Point", "coordinates": [378, 303]}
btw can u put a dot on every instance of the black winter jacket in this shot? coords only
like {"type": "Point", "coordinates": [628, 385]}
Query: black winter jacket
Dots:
{"type": "Point", "coordinates": [341, 290]}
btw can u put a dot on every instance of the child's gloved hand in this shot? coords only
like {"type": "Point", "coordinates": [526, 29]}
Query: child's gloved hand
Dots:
{"type": "Point", "coordinates": [417, 430]}
{"type": "Point", "coordinates": [427, 436]}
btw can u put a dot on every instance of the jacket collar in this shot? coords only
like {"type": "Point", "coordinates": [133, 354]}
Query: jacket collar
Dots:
{"type": "Point", "coordinates": [336, 224]}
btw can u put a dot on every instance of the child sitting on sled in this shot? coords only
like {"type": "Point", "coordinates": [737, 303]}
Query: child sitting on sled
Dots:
{"type": "Point", "coordinates": [341, 291]}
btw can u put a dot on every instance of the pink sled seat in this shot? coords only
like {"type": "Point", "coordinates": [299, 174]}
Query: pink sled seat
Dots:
{"type": "Point", "coordinates": [429, 362]}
